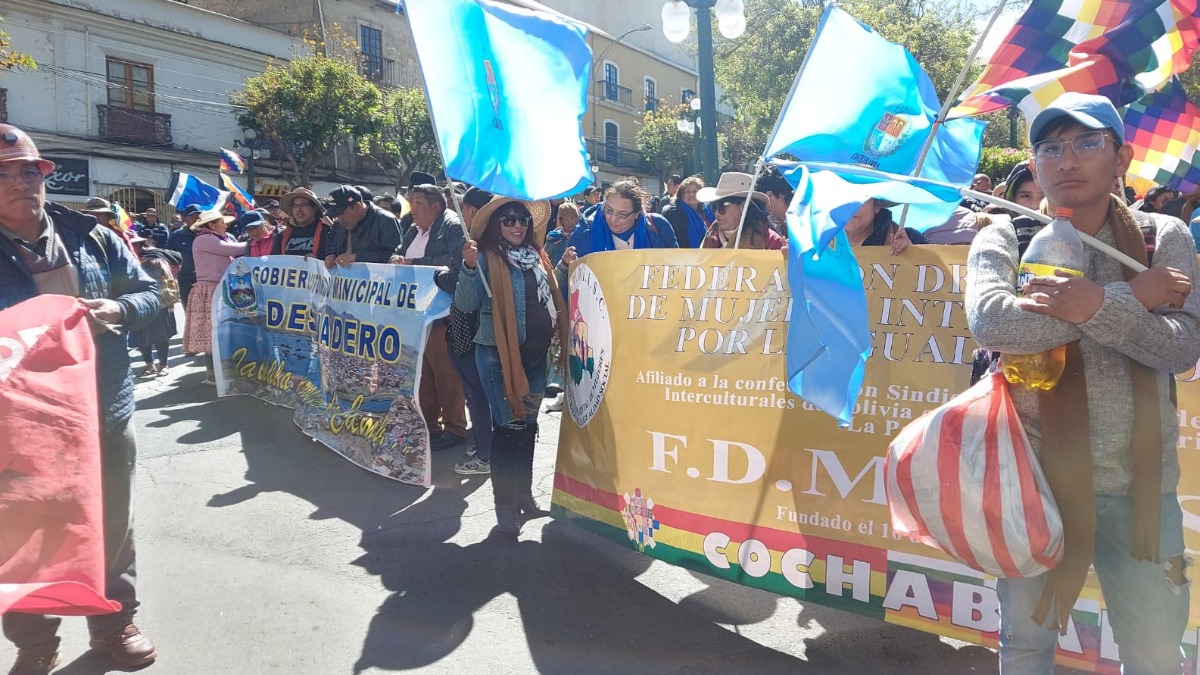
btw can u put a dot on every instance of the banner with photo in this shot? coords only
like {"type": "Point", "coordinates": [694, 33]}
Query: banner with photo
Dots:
{"type": "Point", "coordinates": [735, 477]}
{"type": "Point", "coordinates": [342, 347]}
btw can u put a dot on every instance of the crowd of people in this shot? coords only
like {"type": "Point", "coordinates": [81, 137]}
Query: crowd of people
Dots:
{"type": "Point", "coordinates": [500, 352]}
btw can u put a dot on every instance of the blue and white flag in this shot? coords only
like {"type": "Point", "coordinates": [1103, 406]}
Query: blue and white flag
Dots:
{"type": "Point", "coordinates": [829, 332]}
{"type": "Point", "coordinates": [861, 100]}
{"type": "Point", "coordinates": [507, 90]}
{"type": "Point", "coordinates": [185, 189]}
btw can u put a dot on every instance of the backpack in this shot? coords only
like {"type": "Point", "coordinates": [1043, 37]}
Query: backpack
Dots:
{"type": "Point", "coordinates": [168, 286]}
{"type": "Point", "coordinates": [984, 361]}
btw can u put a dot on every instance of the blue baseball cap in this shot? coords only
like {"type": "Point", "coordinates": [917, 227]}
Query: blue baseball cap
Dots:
{"type": "Point", "coordinates": [191, 210]}
{"type": "Point", "coordinates": [251, 219]}
{"type": "Point", "coordinates": [1092, 111]}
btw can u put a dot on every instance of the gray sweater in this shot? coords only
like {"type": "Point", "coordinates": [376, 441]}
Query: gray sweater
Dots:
{"type": "Point", "coordinates": [1121, 328]}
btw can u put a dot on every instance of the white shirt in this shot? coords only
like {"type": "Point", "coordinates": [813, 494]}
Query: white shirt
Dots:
{"type": "Point", "coordinates": [417, 248]}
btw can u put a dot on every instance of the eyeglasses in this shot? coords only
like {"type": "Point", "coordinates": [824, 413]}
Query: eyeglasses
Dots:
{"type": "Point", "coordinates": [1086, 144]}
{"type": "Point", "coordinates": [29, 176]}
{"type": "Point", "coordinates": [619, 215]}
{"type": "Point", "coordinates": [515, 220]}
{"type": "Point", "coordinates": [721, 206]}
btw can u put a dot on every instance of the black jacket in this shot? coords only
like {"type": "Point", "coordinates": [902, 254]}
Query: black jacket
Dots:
{"type": "Point", "coordinates": [374, 239]}
{"type": "Point", "coordinates": [445, 242]}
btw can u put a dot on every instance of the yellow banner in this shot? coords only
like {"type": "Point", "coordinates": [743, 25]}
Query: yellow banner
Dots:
{"type": "Point", "coordinates": [686, 444]}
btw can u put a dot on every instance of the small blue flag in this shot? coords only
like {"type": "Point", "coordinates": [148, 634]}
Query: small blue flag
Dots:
{"type": "Point", "coordinates": [507, 89]}
{"type": "Point", "coordinates": [829, 332]}
{"type": "Point", "coordinates": [185, 189]}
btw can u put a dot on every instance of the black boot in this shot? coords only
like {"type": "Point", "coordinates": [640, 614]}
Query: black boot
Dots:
{"type": "Point", "coordinates": [526, 505]}
{"type": "Point", "coordinates": [506, 449]}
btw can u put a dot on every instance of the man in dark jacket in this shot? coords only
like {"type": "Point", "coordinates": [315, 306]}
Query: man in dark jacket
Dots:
{"type": "Point", "coordinates": [364, 232]}
{"type": "Point", "coordinates": [307, 234]}
{"type": "Point", "coordinates": [49, 249]}
{"type": "Point", "coordinates": [436, 238]}
{"type": "Point", "coordinates": [180, 241]}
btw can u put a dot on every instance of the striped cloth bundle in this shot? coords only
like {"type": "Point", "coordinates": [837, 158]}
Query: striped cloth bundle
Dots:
{"type": "Point", "coordinates": [963, 478]}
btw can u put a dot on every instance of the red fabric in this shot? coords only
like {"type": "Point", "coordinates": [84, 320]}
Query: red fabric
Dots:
{"type": "Point", "coordinates": [963, 479]}
{"type": "Point", "coordinates": [51, 513]}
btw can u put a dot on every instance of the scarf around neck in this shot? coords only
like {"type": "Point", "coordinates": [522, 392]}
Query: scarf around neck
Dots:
{"type": "Point", "coordinates": [526, 258]}
{"type": "Point", "coordinates": [697, 228]}
{"type": "Point", "coordinates": [1067, 456]}
{"type": "Point", "coordinates": [602, 236]}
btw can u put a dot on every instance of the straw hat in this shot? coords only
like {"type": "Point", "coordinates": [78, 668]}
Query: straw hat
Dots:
{"type": "Point", "coordinates": [285, 202]}
{"type": "Point", "coordinates": [732, 184]}
{"type": "Point", "coordinates": [210, 216]}
{"type": "Point", "coordinates": [539, 210]}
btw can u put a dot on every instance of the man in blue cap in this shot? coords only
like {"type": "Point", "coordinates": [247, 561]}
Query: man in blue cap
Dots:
{"type": "Point", "coordinates": [1106, 434]}
{"type": "Point", "coordinates": [181, 242]}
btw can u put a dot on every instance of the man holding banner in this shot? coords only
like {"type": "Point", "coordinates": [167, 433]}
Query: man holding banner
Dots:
{"type": "Point", "coordinates": [51, 250]}
{"type": "Point", "coordinates": [1107, 433]}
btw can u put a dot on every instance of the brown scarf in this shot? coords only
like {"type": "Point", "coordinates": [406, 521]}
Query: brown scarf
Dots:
{"type": "Point", "coordinates": [1067, 457]}
{"type": "Point", "coordinates": [504, 317]}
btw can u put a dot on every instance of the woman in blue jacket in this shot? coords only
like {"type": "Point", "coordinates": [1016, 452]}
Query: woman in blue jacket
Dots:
{"type": "Point", "coordinates": [621, 223]}
{"type": "Point", "coordinates": [517, 325]}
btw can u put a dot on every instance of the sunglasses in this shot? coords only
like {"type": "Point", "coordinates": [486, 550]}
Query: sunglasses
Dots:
{"type": "Point", "coordinates": [516, 220]}
{"type": "Point", "coordinates": [721, 206]}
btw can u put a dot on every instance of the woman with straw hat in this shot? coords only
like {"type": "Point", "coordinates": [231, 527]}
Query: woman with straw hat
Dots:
{"type": "Point", "coordinates": [212, 251]}
{"type": "Point", "coordinates": [517, 325]}
{"type": "Point", "coordinates": [732, 195]}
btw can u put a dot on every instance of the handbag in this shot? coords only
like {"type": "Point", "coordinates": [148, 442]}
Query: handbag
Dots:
{"type": "Point", "coordinates": [460, 336]}
{"type": "Point", "coordinates": [963, 478]}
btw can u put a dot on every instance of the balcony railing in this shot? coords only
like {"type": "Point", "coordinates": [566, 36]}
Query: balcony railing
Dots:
{"type": "Point", "coordinates": [611, 91]}
{"type": "Point", "coordinates": [381, 72]}
{"type": "Point", "coordinates": [139, 127]}
{"type": "Point", "coordinates": [618, 155]}
{"type": "Point", "coordinates": [3, 106]}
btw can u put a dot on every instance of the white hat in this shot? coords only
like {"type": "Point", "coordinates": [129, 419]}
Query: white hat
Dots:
{"type": "Point", "coordinates": [732, 184]}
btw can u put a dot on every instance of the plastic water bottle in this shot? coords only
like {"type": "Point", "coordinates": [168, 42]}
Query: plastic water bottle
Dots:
{"type": "Point", "coordinates": [1055, 248]}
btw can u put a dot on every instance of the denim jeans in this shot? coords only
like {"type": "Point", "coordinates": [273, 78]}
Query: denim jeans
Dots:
{"type": "Point", "coordinates": [118, 456]}
{"type": "Point", "coordinates": [477, 403]}
{"type": "Point", "coordinates": [1148, 611]}
{"type": "Point", "coordinates": [487, 359]}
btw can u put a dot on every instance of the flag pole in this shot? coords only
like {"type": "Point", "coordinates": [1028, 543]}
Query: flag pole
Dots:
{"type": "Point", "coordinates": [758, 168]}
{"type": "Point", "coordinates": [442, 153]}
{"type": "Point", "coordinates": [952, 97]}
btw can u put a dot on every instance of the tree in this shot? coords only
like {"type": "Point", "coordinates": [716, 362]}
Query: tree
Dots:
{"type": "Point", "coordinates": [664, 146]}
{"type": "Point", "coordinates": [10, 59]}
{"type": "Point", "coordinates": [406, 142]}
{"type": "Point", "coordinates": [937, 32]}
{"type": "Point", "coordinates": [308, 106]}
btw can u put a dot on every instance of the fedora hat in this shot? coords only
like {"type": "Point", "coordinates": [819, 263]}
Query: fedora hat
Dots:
{"type": "Point", "coordinates": [539, 210]}
{"type": "Point", "coordinates": [732, 184]}
{"type": "Point", "coordinates": [210, 216]}
{"type": "Point", "coordinates": [285, 202]}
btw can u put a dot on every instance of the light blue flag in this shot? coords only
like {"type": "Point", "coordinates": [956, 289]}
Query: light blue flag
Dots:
{"type": "Point", "coordinates": [185, 189]}
{"type": "Point", "coordinates": [953, 158]}
{"type": "Point", "coordinates": [507, 88]}
{"type": "Point", "coordinates": [829, 333]}
{"type": "Point", "coordinates": [859, 99]}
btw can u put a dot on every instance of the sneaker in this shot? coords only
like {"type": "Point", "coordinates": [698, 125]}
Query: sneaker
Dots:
{"type": "Point", "coordinates": [473, 466]}
{"type": "Point", "coordinates": [556, 405]}
{"type": "Point", "coordinates": [470, 451]}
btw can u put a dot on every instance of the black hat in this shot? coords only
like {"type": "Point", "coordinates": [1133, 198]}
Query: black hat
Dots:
{"type": "Point", "coordinates": [191, 210]}
{"type": "Point", "coordinates": [341, 198]}
{"type": "Point", "coordinates": [271, 204]}
{"type": "Point", "coordinates": [420, 178]}
{"type": "Point", "coordinates": [367, 195]}
{"type": "Point", "coordinates": [476, 197]}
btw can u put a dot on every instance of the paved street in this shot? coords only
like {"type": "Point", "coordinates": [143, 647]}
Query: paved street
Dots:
{"type": "Point", "coordinates": [263, 552]}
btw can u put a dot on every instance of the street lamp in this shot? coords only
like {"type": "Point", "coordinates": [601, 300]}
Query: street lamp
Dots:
{"type": "Point", "coordinates": [731, 20]}
{"type": "Point", "coordinates": [252, 147]}
{"type": "Point", "coordinates": [690, 123]}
